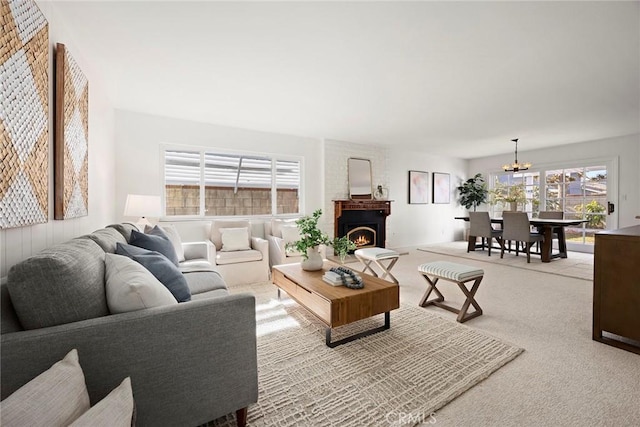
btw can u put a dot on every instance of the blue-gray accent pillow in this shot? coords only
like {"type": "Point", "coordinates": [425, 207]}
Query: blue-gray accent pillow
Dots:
{"type": "Point", "coordinates": [156, 241]}
{"type": "Point", "coordinates": [163, 270]}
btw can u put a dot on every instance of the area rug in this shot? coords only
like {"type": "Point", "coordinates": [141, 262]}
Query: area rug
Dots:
{"type": "Point", "coordinates": [577, 265]}
{"type": "Point", "coordinates": [401, 376]}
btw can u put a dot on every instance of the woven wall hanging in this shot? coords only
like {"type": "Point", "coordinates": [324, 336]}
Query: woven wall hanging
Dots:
{"type": "Point", "coordinates": [71, 162]}
{"type": "Point", "coordinates": [24, 114]}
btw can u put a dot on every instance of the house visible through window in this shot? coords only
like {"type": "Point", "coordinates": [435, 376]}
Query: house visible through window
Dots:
{"type": "Point", "coordinates": [578, 192]}
{"type": "Point", "coordinates": [206, 183]}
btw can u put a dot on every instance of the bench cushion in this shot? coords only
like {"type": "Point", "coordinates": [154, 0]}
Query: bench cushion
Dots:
{"type": "Point", "coordinates": [450, 270]}
{"type": "Point", "coordinates": [376, 253]}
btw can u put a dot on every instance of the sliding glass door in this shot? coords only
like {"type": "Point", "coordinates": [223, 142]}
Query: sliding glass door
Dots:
{"type": "Point", "coordinates": [582, 191]}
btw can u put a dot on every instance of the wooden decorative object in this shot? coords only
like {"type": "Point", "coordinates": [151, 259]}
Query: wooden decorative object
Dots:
{"type": "Point", "coordinates": [616, 288]}
{"type": "Point", "coordinates": [71, 138]}
{"type": "Point", "coordinates": [24, 114]}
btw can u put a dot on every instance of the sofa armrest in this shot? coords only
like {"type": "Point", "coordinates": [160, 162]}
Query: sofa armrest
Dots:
{"type": "Point", "coordinates": [277, 250]}
{"type": "Point", "coordinates": [189, 363]}
{"type": "Point", "coordinates": [196, 250]}
{"type": "Point", "coordinates": [261, 245]}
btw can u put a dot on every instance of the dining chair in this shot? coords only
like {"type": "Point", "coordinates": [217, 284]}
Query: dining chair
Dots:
{"type": "Point", "coordinates": [480, 226]}
{"type": "Point", "coordinates": [516, 226]}
{"type": "Point", "coordinates": [556, 232]}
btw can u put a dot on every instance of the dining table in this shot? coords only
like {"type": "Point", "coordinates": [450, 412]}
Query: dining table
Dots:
{"type": "Point", "coordinates": [547, 227]}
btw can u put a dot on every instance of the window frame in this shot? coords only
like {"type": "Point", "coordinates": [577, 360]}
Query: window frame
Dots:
{"type": "Point", "coordinates": [274, 157]}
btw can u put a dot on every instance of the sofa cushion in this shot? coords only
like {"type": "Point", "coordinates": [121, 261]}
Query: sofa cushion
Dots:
{"type": "Point", "coordinates": [157, 242]}
{"type": "Point", "coordinates": [173, 235]}
{"type": "Point", "coordinates": [56, 397]}
{"type": "Point", "coordinates": [115, 410]}
{"type": "Point", "coordinates": [203, 281]}
{"type": "Point", "coordinates": [130, 286]}
{"type": "Point", "coordinates": [125, 229]}
{"type": "Point", "coordinates": [163, 269]}
{"type": "Point", "coordinates": [235, 239]}
{"type": "Point", "coordinates": [61, 284]}
{"type": "Point", "coordinates": [216, 293]}
{"type": "Point", "coordinates": [223, 258]}
{"type": "Point", "coordinates": [107, 238]}
{"type": "Point", "coordinates": [9, 321]}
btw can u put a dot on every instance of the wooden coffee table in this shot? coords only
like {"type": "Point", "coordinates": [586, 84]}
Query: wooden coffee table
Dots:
{"type": "Point", "coordinates": [338, 305]}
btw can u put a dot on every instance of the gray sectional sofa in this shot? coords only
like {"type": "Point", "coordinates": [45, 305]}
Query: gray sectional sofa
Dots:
{"type": "Point", "coordinates": [189, 363]}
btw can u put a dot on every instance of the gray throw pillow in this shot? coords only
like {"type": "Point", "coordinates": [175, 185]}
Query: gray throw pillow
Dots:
{"type": "Point", "coordinates": [172, 234]}
{"type": "Point", "coordinates": [158, 242]}
{"type": "Point", "coordinates": [163, 270]}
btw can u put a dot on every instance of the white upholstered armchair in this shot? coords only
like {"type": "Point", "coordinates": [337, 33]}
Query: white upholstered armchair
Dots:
{"type": "Point", "coordinates": [240, 257]}
{"type": "Point", "coordinates": [279, 232]}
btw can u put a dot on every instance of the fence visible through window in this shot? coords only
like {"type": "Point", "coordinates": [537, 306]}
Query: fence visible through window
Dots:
{"type": "Point", "coordinates": [204, 183]}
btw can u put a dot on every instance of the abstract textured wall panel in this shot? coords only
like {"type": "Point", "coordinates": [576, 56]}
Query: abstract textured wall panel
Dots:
{"type": "Point", "coordinates": [71, 138]}
{"type": "Point", "coordinates": [24, 114]}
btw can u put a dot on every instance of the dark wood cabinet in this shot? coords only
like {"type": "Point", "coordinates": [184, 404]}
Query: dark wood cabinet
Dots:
{"type": "Point", "coordinates": [616, 288]}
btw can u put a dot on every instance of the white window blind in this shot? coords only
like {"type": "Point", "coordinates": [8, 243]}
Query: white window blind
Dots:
{"type": "Point", "coordinates": [207, 183]}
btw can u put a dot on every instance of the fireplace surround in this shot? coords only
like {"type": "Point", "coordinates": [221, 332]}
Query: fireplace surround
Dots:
{"type": "Point", "coordinates": [362, 221]}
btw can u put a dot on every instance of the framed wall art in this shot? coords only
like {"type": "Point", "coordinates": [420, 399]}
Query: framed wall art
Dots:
{"type": "Point", "coordinates": [71, 159]}
{"type": "Point", "coordinates": [418, 187]}
{"type": "Point", "coordinates": [441, 188]}
{"type": "Point", "coordinates": [24, 114]}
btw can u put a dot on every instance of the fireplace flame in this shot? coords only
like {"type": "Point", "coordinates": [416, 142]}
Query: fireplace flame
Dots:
{"type": "Point", "coordinates": [361, 241]}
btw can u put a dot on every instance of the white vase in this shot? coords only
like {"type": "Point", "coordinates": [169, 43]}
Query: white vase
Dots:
{"type": "Point", "coordinates": [314, 260]}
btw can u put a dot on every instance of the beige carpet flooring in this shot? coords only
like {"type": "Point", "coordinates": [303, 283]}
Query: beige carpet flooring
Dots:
{"type": "Point", "coordinates": [397, 377]}
{"type": "Point", "coordinates": [563, 378]}
{"type": "Point", "coordinates": [578, 265]}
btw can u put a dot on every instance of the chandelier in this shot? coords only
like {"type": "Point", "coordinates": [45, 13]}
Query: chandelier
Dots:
{"type": "Point", "coordinates": [516, 166]}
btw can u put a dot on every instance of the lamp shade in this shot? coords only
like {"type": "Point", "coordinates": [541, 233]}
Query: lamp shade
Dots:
{"type": "Point", "coordinates": [143, 206]}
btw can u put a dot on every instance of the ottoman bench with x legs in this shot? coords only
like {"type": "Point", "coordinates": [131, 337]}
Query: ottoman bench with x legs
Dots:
{"type": "Point", "coordinates": [458, 273]}
{"type": "Point", "coordinates": [367, 256]}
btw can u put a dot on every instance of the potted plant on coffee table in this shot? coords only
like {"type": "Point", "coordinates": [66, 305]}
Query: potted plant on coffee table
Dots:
{"type": "Point", "coordinates": [342, 246]}
{"type": "Point", "coordinates": [311, 237]}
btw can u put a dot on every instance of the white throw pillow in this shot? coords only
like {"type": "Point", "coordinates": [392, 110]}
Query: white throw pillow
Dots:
{"type": "Point", "coordinates": [130, 287]}
{"type": "Point", "coordinates": [277, 224]}
{"type": "Point", "coordinates": [56, 397]}
{"type": "Point", "coordinates": [290, 234]}
{"type": "Point", "coordinates": [115, 410]}
{"type": "Point", "coordinates": [235, 239]}
{"type": "Point", "coordinates": [173, 236]}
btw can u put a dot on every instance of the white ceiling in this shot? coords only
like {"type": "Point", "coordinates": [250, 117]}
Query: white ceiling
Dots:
{"type": "Point", "coordinates": [452, 78]}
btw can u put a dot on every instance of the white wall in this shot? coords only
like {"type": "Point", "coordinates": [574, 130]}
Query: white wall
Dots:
{"type": "Point", "coordinates": [336, 174]}
{"type": "Point", "coordinates": [139, 168]}
{"type": "Point", "coordinates": [625, 148]}
{"type": "Point", "coordinates": [412, 225]}
{"type": "Point", "coordinates": [408, 225]}
{"type": "Point", "coordinates": [17, 244]}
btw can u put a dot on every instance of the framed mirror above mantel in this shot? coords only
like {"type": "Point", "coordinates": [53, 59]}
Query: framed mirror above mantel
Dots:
{"type": "Point", "coordinates": [360, 181]}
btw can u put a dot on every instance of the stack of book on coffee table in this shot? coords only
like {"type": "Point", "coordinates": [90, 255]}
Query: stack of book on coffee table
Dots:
{"type": "Point", "coordinates": [334, 279]}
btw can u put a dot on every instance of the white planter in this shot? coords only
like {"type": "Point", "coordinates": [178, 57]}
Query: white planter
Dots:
{"type": "Point", "coordinates": [314, 260]}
